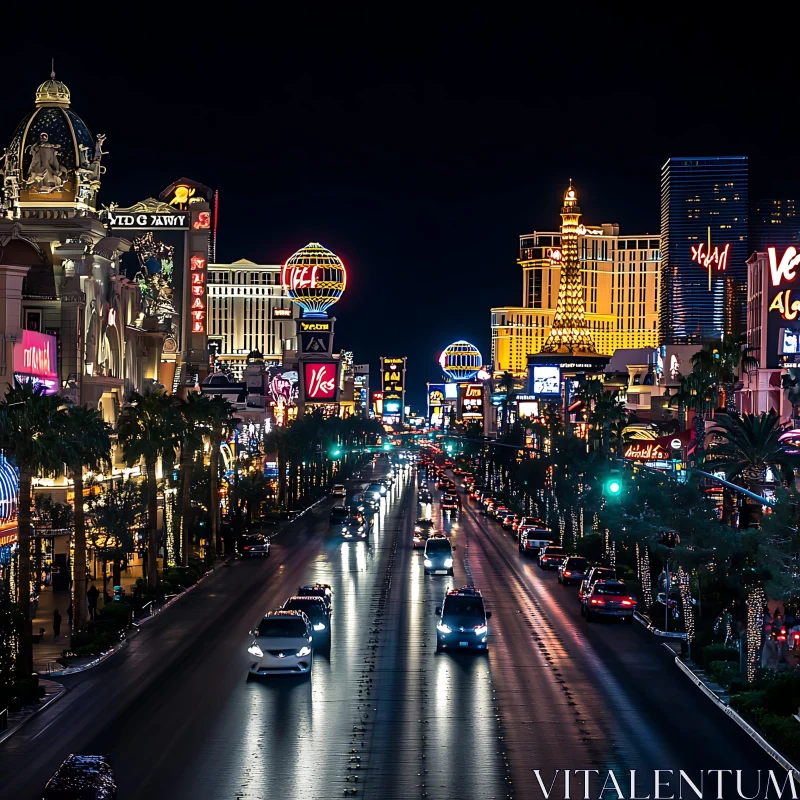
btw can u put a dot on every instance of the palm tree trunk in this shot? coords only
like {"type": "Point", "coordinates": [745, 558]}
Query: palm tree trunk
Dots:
{"type": "Point", "coordinates": [81, 618]}
{"type": "Point", "coordinates": [186, 483]}
{"type": "Point", "coordinates": [152, 525]}
{"type": "Point", "coordinates": [25, 657]}
{"type": "Point", "coordinates": [214, 506]}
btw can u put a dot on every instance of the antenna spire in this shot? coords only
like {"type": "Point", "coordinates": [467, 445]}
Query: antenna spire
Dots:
{"type": "Point", "coordinates": [52, 68]}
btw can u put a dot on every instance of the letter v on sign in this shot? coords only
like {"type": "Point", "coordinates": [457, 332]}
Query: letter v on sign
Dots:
{"type": "Point", "coordinates": [787, 269]}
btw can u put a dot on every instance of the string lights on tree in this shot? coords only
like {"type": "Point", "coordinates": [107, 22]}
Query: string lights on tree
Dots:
{"type": "Point", "coordinates": [686, 602]}
{"type": "Point", "coordinates": [755, 629]}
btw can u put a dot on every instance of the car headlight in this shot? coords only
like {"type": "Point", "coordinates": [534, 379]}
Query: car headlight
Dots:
{"type": "Point", "coordinates": [428, 562]}
{"type": "Point", "coordinates": [443, 628]}
{"type": "Point", "coordinates": [448, 562]}
{"type": "Point", "coordinates": [255, 650]}
{"type": "Point", "coordinates": [303, 651]}
{"type": "Point", "coordinates": [319, 626]}
{"type": "Point", "coordinates": [480, 630]}
{"type": "Point", "coordinates": [417, 529]}
{"type": "Point", "coordinates": [383, 490]}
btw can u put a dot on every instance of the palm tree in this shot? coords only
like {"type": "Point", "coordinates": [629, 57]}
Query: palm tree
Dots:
{"type": "Point", "coordinates": [750, 445]}
{"type": "Point", "coordinates": [221, 420]}
{"type": "Point", "coordinates": [725, 360]}
{"type": "Point", "coordinates": [147, 431]}
{"type": "Point", "coordinates": [608, 411]}
{"type": "Point", "coordinates": [87, 444]}
{"type": "Point", "coordinates": [31, 424]}
{"type": "Point", "coordinates": [194, 417]}
{"type": "Point", "coordinates": [277, 441]}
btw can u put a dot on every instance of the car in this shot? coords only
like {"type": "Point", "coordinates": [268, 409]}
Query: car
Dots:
{"type": "Point", "coordinates": [608, 599]}
{"type": "Point", "coordinates": [322, 590]}
{"type": "Point", "coordinates": [82, 776]}
{"type": "Point", "coordinates": [338, 490]}
{"type": "Point", "coordinates": [356, 527]}
{"type": "Point", "coordinates": [376, 489]}
{"type": "Point", "coordinates": [572, 570]}
{"type": "Point", "coordinates": [441, 483]}
{"type": "Point", "coordinates": [423, 528]}
{"type": "Point", "coordinates": [282, 644]}
{"type": "Point", "coordinates": [370, 503]}
{"type": "Point", "coordinates": [450, 504]}
{"type": "Point", "coordinates": [339, 515]}
{"type": "Point", "coordinates": [595, 574]}
{"type": "Point", "coordinates": [509, 521]}
{"type": "Point", "coordinates": [532, 539]}
{"type": "Point", "coordinates": [438, 556]}
{"type": "Point", "coordinates": [425, 497]}
{"type": "Point", "coordinates": [255, 544]}
{"type": "Point", "coordinates": [318, 614]}
{"type": "Point", "coordinates": [499, 512]}
{"type": "Point", "coordinates": [551, 556]}
{"type": "Point", "coordinates": [462, 622]}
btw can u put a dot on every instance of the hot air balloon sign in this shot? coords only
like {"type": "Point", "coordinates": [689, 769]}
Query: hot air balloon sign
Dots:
{"type": "Point", "coordinates": [314, 278]}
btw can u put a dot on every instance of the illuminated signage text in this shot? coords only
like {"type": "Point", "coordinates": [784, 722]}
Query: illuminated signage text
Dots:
{"type": "Point", "coordinates": [647, 452]}
{"type": "Point", "coordinates": [708, 258]}
{"type": "Point", "coordinates": [320, 381]}
{"type": "Point", "coordinates": [146, 221]}
{"type": "Point", "coordinates": [197, 264]}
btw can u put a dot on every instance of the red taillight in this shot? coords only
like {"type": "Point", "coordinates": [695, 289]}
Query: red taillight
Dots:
{"type": "Point", "coordinates": [796, 637]}
{"type": "Point", "coordinates": [597, 602]}
{"type": "Point", "coordinates": [247, 547]}
{"type": "Point", "coordinates": [627, 603]}
{"type": "Point", "coordinates": [567, 573]}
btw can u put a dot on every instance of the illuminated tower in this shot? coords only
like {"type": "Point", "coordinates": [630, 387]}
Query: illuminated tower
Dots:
{"type": "Point", "coordinates": [569, 333]}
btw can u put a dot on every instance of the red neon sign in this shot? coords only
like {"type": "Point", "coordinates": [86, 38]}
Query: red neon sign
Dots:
{"type": "Point", "coordinates": [787, 269]}
{"type": "Point", "coordinates": [35, 356]}
{"type": "Point", "coordinates": [203, 221]}
{"type": "Point", "coordinates": [300, 277]}
{"type": "Point", "coordinates": [647, 452]}
{"type": "Point", "coordinates": [320, 381]}
{"type": "Point", "coordinates": [198, 284]}
{"type": "Point", "coordinates": [708, 258]}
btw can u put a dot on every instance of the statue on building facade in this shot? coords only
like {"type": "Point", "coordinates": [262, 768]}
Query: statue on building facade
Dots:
{"type": "Point", "coordinates": [44, 170]}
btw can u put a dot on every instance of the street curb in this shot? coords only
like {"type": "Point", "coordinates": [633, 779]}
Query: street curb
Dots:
{"type": "Point", "coordinates": [646, 622]}
{"type": "Point", "coordinates": [739, 720]}
{"type": "Point", "coordinates": [52, 699]}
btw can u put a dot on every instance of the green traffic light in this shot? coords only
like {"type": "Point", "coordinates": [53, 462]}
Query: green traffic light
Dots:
{"type": "Point", "coordinates": [387, 447]}
{"type": "Point", "coordinates": [336, 453]}
{"type": "Point", "coordinates": [614, 487]}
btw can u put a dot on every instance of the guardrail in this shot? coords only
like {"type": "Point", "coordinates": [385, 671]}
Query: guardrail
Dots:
{"type": "Point", "coordinates": [3, 719]}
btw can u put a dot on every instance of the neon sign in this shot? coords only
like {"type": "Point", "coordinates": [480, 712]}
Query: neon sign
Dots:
{"type": "Point", "coordinates": [787, 269]}
{"type": "Point", "coordinates": [202, 221]}
{"type": "Point", "coordinates": [35, 359]}
{"type": "Point", "coordinates": [320, 381]}
{"type": "Point", "coordinates": [708, 258]}
{"type": "Point", "coordinates": [554, 254]}
{"type": "Point", "coordinates": [647, 452]}
{"type": "Point", "coordinates": [582, 230]}
{"type": "Point", "coordinates": [198, 284]}
{"type": "Point", "coordinates": [314, 278]}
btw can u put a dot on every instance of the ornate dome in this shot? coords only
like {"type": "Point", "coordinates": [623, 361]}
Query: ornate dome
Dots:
{"type": "Point", "coordinates": [53, 155]}
{"type": "Point", "coordinates": [52, 93]}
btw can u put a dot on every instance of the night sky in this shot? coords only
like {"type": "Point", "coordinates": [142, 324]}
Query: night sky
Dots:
{"type": "Point", "coordinates": [418, 148]}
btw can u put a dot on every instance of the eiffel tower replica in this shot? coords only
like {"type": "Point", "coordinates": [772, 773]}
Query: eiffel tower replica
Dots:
{"type": "Point", "coordinates": [569, 346]}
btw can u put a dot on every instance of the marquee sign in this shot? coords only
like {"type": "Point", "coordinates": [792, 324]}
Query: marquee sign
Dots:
{"type": "Point", "coordinates": [471, 400]}
{"type": "Point", "coordinates": [649, 451]}
{"type": "Point", "coordinates": [35, 359]}
{"type": "Point", "coordinates": [320, 382]}
{"type": "Point", "coordinates": [145, 221]}
{"type": "Point", "coordinates": [281, 313]}
{"type": "Point", "coordinates": [198, 265]}
{"type": "Point", "coordinates": [393, 376]}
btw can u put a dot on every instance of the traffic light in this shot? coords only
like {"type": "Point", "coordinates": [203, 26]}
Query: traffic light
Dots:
{"type": "Point", "coordinates": [613, 485]}
{"type": "Point", "coordinates": [387, 446]}
{"type": "Point", "coordinates": [336, 452]}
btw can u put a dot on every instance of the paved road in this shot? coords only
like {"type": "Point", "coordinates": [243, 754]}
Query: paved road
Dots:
{"type": "Point", "coordinates": [384, 714]}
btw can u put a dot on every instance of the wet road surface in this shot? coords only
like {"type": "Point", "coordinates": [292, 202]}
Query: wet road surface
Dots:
{"type": "Point", "coordinates": [384, 716]}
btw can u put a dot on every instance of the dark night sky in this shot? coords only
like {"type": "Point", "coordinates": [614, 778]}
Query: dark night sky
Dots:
{"type": "Point", "coordinates": [419, 148]}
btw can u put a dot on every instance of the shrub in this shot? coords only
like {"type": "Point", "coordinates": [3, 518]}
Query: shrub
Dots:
{"type": "Point", "coordinates": [783, 732]}
{"type": "Point", "coordinates": [718, 652]}
{"type": "Point", "coordinates": [723, 672]}
{"type": "Point", "coordinates": [747, 702]}
{"type": "Point", "coordinates": [117, 615]}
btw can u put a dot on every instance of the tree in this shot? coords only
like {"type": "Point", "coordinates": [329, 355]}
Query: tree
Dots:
{"type": "Point", "coordinates": [86, 443]}
{"type": "Point", "coordinates": [31, 425]}
{"type": "Point", "coordinates": [748, 446]}
{"type": "Point", "coordinates": [194, 418]}
{"type": "Point", "coordinates": [724, 360]}
{"type": "Point", "coordinates": [113, 516]}
{"type": "Point", "coordinates": [221, 420]}
{"type": "Point", "coordinates": [147, 431]}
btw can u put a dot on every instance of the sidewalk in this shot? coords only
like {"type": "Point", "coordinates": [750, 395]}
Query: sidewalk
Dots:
{"type": "Point", "coordinates": [47, 652]}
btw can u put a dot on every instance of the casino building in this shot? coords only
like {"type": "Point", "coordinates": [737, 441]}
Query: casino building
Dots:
{"type": "Point", "coordinates": [620, 276]}
{"type": "Point", "coordinates": [248, 310]}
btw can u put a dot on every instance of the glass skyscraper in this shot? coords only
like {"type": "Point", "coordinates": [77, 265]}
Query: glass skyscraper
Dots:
{"type": "Point", "coordinates": [704, 245]}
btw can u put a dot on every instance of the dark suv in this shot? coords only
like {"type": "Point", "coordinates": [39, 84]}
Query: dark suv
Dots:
{"type": "Point", "coordinates": [438, 556]}
{"type": "Point", "coordinates": [82, 776]}
{"type": "Point", "coordinates": [462, 621]}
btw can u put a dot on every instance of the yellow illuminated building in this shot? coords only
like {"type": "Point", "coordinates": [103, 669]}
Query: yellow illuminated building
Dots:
{"type": "Point", "coordinates": [620, 277]}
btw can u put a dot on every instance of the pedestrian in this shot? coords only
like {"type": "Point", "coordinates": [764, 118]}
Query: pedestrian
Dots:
{"type": "Point", "coordinates": [70, 613]}
{"type": "Point", "coordinates": [92, 596]}
{"type": "Point", "coordinates": [56, 624]}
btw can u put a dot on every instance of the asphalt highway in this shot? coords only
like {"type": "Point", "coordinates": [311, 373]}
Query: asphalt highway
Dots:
{"type": "Point", "coordinates": [384, 716]}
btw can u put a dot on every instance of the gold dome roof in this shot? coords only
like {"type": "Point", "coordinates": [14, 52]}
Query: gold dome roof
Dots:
{"type": "Point", "coordinates": [52, 93]}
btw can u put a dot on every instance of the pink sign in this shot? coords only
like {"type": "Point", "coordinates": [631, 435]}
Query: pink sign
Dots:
{"type": "Point", "coordinates": [35, 357]}
{"type": "Point", "coordinates": [320, 380]}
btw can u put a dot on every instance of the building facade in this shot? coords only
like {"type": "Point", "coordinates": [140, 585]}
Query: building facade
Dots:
{"type": "Point", "coordinates": [620, 277]}
{"type": "Point", "coordinates": [705, 246]}
{"type": "Point", "coordinates": [248, 310]}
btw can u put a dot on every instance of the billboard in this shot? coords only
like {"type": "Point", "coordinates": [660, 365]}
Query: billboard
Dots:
{"type": "Point", "coordinates": [320, 381]}
{"type": "Point", "coordinates": [393, 379]}
{"type": "Point", "coordinates": [545, 381]}
{"type": "Point", "coordinates": [435, 399]}
{"type": "Point", "coordinates": [471, 400]}
{"type": "Point", "coordinates": [451, 391]}
{"type": "Point", "coordinates": [36, 360]}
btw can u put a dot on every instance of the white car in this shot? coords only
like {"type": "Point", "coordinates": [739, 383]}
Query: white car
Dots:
{"type": "Point", "coordinates": [338, 490]}
{"type": "Point", "coordinates": [282, 645]}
